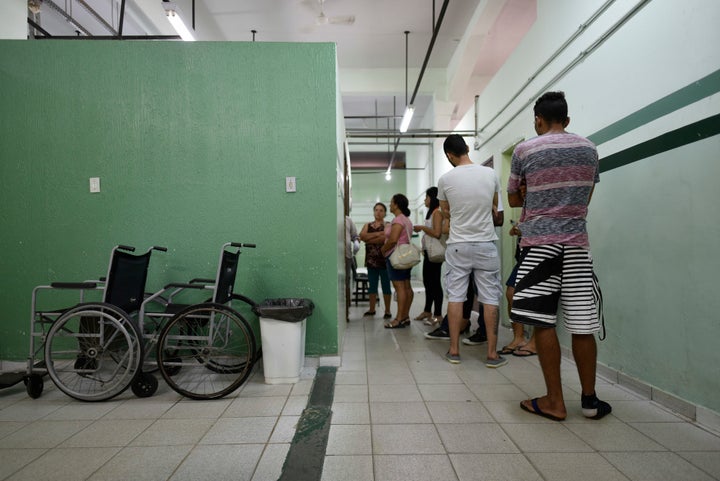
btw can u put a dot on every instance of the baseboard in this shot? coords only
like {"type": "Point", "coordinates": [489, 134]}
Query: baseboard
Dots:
{"type": "Point", "coordinates": [12, 366]}
{"type": "Point", "coordinates": [316, 361]}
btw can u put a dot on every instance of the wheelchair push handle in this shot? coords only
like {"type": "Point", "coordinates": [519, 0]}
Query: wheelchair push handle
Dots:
{"type": "Point", "coordinates": [132, 249]}
{"type": "Point", "coordinates": [240, 244]}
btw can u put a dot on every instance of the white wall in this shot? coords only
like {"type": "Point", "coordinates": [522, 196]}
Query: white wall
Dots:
{"type": "Point", "coordinates": [13, 19]}
{"type": "Point", "coordinates": [652, 224]}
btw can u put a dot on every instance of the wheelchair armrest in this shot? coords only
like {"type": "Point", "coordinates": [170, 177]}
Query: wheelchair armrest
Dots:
{"type": "Point", "coordinates": [202, 281]}
{"type": "Point", "coordinates": [73, 285]}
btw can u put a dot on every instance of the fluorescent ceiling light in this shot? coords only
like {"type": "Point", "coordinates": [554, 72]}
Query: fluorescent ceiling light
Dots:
{"type": "Point", "coordinates": [174, 15]}
{"type": "Point", "coordinates": [388, 176]}
{"type": "Point", "coordinates": [407, 117]}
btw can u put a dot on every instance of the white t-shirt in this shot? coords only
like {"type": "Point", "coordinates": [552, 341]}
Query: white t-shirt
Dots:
{"type": "Point", "coordinates": [469, 189]}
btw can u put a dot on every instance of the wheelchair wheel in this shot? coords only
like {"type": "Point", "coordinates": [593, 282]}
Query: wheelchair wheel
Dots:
{"type": "Point", "coordinates": [206, 351]}
{"type": "Point", "coordinates": [34, 385]}
{"type": "Point", "coordinates": [93, 352]}
{"type": "Point", "coordinates": [144, 385]}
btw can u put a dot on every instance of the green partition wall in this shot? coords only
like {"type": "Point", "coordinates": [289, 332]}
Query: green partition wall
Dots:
{"type": "Point", "coordinates": [192, 143]}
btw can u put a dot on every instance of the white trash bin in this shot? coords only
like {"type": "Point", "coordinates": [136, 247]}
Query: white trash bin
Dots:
{"type": "Point", "coordinates": [282, 333]}
{"type": "Point", "coordinates": [283, 345]}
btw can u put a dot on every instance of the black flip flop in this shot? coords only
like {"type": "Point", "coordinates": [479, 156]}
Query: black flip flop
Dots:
{"type": "Point", "coordinates": [536, 410]}
{"type": "Point", "coordinates": [506, 350]}
{"type": "Point", "coordinates": [522, 352]}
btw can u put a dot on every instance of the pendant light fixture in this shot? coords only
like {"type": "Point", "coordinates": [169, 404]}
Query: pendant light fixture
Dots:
{"type": "Point", "coordinates": [175, 18]}
{"type": "Point", "coordinates": [409, 109]}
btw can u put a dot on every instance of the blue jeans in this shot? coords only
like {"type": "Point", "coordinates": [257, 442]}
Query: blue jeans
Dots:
{"type": "Point", "coordinates": [375, 274]}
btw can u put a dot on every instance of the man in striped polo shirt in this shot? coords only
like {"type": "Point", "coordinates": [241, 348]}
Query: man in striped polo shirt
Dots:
{"type": "Point", "coordinates": [560, 170]}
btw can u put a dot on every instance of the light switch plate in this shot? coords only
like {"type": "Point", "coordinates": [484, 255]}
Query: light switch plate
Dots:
{"type": "Point", "coordinates": [290, 184]}
{"type": "Point", "coordinates": [94, 185]}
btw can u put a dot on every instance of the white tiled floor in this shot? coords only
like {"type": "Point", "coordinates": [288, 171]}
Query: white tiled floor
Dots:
{"type": "Point", "coordinates": [400, 412]}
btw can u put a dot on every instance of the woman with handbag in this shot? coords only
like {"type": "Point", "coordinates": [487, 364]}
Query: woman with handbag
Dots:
{"type": "Point", "coordinates": [436, 229]}
{"type": "Point", "coordinates": [397, 245]}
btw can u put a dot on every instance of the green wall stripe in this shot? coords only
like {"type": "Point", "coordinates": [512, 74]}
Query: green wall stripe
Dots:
{"type": "Point", "coordinates": [697, 90]}
{"type": "Point", "coordinates": [675, 138]}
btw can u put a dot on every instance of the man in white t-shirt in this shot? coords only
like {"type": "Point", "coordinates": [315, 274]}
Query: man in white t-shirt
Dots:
{"type": "Point", "coordinates": [468, 196]}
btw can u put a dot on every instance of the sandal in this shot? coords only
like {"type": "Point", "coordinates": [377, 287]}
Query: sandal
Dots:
{"type": "Point", "coordinates": [369, 313]}
{"type": "Point", "coordinates": [507, 350]}
{"type": "Point", "coordinates": [423, 315]}
{"type": "Point", "coordinates": [398, 324]}
{"type": "Point", "coordinates": [387, 316]}
{"type": "Point", "coordinates": [405, 322]}
{"type": "Point", "coordinates": [433, 321]}
{"type": "Point", "coordinates": [523, 352]}
{"type": "Point", "coordinates": [535, 409]}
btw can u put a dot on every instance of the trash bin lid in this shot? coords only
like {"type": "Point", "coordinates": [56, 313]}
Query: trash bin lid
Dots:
{"type": "Point", "coordinates": [285, 309]}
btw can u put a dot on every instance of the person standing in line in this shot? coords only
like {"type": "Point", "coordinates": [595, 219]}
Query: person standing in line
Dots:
{"type": "Point", "coordinates": [399, 232]}
{"type": "Point", "coordinates": [519, 346]}
{"type": "Point", "coordinates": [468, 197]}
{"type": "Point", "coordinates": [560, 170]}
{"type": "Point", "coordinates": [373, 235]}
{"type": "Point", "coordinates": [435, 226]}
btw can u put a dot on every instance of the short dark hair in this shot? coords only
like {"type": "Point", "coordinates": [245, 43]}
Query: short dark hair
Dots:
{"type": "Point", "coordinates": [432, 192]}
{"type": "Point", "coordinates": [455, 144]}
{"type": "Point", "coordinates": [552, 107]}
{"type": "Point", "coordinates": [381, 205]}
{"type": "Point", "coordinates": [402, 202]}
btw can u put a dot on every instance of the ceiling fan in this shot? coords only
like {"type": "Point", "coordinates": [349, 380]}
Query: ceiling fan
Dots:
{"type": "Point", "coordinates": [322, 19]}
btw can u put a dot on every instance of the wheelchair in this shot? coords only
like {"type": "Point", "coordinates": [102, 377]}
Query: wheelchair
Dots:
{"type": "Point", "coordinates": [205, 350]}
{"type": "Point", "coordinates": [92, 350]}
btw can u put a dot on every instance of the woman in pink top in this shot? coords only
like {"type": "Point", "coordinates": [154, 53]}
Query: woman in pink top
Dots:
{"type": "Point", "coordinates": [399, 232]}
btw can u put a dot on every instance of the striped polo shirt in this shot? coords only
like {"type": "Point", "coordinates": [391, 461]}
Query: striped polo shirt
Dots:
{"type": "Point", "coordinates": [560, 170]}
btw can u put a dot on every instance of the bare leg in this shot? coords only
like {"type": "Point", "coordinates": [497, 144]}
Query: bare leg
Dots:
{"type": "Point", "coordinates": [387, 298]}
{"type": "Point", "coordinates": [373, 300]}
{"type": "Point", "coordinates": [548, 349]}
{"type": "Point", "coordinates": [401, 297]}
{"type": "Point", "coordinates": [455, 322]}
{"type": "Point", "coordinates": [410, 297]}
{"type": "Point", "coordinates": [404, 301]}
{"type": "Point", "coordinates": [518, 329]}
{"type": "Point", "coordinates": [491, 315]}
{"type": "Point", "coordinates": [527, 348]}
{"type": "Point", "coordinates": [585, 354]}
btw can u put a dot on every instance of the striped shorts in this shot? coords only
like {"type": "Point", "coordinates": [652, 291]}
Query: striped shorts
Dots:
{"type": "Point", "coordinates": [551, 273]}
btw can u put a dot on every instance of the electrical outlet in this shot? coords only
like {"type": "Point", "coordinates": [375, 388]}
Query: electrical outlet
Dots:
{"type": "Point", "coordinates": [290, 185]}
{"type": "Point", "coordinates": [94, 185]}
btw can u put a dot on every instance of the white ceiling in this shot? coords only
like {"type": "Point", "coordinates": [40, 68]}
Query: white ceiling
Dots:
{"type": "Point", "coordinates": [474, 40]}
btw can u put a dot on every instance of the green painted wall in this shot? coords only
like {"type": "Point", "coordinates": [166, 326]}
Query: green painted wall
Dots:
{"type": "Point", "coordinates": [654, 235]}
{"type": "Point", "coordinates": [192, 143]}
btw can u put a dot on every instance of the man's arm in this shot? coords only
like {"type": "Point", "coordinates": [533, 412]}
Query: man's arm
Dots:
{"type": "Point", "coordinates": [515, 199]}
{"type": "Point", "coordinates": [497, 215]}
{"type": "Point", "coordinates": [445, 209]}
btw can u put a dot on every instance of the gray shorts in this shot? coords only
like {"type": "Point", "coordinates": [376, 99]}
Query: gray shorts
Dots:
{"type": "Point", "coordinates": [479, 259]}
